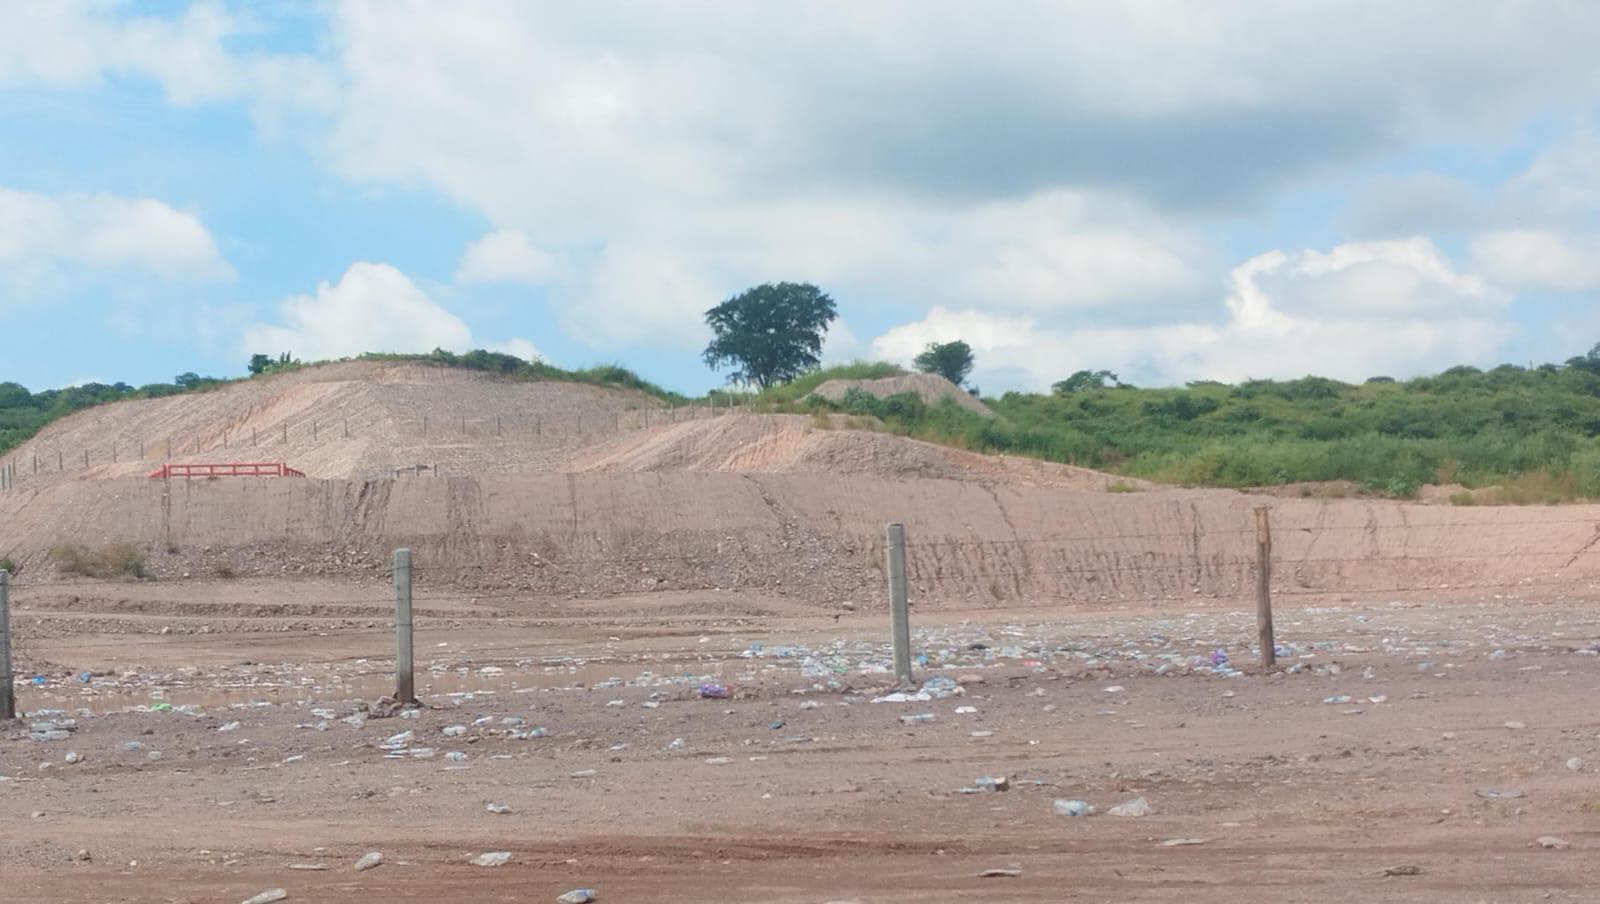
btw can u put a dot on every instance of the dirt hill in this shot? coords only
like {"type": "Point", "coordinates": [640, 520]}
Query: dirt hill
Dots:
{"type": "Point", "coordinates": [931, 387]}
{"type": "Point", "coordinates": [568, 490]}
{"type": "Point", "coordinates": [344, 420]}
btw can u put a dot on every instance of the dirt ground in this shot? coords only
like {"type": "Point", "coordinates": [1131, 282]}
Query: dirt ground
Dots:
{"type": "Point", "coordinates": [1405, 752]}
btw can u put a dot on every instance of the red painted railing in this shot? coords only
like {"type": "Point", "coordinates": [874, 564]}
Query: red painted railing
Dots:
{"type": "Point", "coordinates": [227, 469]}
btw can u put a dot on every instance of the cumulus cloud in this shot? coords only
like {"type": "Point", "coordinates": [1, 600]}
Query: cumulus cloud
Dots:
{"type": "Point", "coordinates": [1037, 156]}
{"type": "Point", "coordinates": [1540, 259]}
{"type": "Point", "coordinates": [1015, 162]}
{"type": "Point", "coordinates": [48, 242]}
{"type": "Point", "coordinates": [506, 256]}
{"type": "Point", "coordinates": [372, 308]}
{"type": "Point", "coordinates": [573, 108]}
{"type": "Point", "coordinates": [1409, 312]}
{"type": "Point", "coordinates": [191, 55]}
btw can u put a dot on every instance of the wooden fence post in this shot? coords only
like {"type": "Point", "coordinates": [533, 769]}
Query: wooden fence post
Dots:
{"type": "Point", "coordinates": [1269, 653]}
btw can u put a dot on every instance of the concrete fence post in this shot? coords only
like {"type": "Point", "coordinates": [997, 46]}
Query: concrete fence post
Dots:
{"type": "Point", "coordinates": [8, 693]}
{"type": "Point", "coordinates": [405, 690]}
{"type": "Point", "coordinates": [899, 607]}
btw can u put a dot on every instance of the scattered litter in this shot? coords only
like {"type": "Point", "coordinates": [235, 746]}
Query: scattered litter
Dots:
{"type": "Point", "coordinates": [579, 896]}
{"type": "Point", "coordinates": [1551, 842]}
{"type": "Point", "coordinates": [369, 860]}
{"type": "Point", "coordinates": [1182, 842]}
{"type": "Point", "coordinates": [498, 809]}
{"type": "Point", "coordinates": [267, 897]}
{"type": "Point", "coordinates": [1134, 808]}
{"type": "Point", "coordinates": [492, 858]}
{"type": "Point", "coordinates": [1072, 807]}
{"type": "Point", "coordinates": [1001, 873]}
{"type": "Point", "coordinates": [1500, 794]}
{"type": "Point", "coordinates": [713, 692]}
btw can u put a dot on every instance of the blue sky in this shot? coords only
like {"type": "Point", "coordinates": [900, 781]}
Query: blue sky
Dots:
{"type": "Point", "coordinates": [1173, 191]}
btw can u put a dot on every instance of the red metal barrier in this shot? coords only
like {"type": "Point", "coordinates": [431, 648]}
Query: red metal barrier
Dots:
{"type": "Point", "coordinates": [227, 469]}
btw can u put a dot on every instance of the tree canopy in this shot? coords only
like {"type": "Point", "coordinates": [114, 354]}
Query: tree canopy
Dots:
{"type": "Point", "coordinates": [769, 334]}
{"type": "Point", "coordinates": [1085, 379]}
{"type": "Point", "coordinates": [951, 360]}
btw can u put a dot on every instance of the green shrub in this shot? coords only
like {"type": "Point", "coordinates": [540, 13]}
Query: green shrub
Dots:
{"type": "Point", "coordinates": [113, 561]}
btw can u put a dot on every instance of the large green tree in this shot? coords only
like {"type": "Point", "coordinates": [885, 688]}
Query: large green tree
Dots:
{"type": "Point", "coordinates": [770, 334]}
{"type": "Point", "coordinates": [951, 360]}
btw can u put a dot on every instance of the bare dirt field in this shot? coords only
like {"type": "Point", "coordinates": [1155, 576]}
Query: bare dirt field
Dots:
{"type": "Point", "coordinates": [650, 642]}
{"type": "Point", "coordinates": [1406, 752]}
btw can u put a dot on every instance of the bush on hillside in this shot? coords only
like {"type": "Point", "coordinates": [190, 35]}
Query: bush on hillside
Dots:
{"type": "Point", "coordinates": [117, 560]}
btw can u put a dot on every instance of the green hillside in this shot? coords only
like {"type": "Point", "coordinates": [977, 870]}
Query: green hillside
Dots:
{"type": "Point", "coordinates": [1529, 432]}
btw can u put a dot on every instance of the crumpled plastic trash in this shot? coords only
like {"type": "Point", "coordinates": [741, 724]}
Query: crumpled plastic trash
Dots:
{"type": "Point", "coordinates": [713, 692]}
{"type": "Point", "coordinates": [1073, 807]}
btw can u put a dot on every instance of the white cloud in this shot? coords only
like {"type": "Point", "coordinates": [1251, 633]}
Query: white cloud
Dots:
{"type": "Point", "coordinates": [841, 345]}
{"type": "Point", "coordinates": [506, 256]}
{"type": "Point", "coordinates": [373, 308]}
{"type": "Point", "coordinates": [1415, 313]}
{"type": "Point", "coordinates": [76, 44]}
{"type": "Point", "coordinates": [48, 242]}
{"type": "Point", "coordinates": [1038, 155]}
{"type": "Point", "coordinates": [1539, 259]}
{"type": "Point", "coordinates": [521, 348]}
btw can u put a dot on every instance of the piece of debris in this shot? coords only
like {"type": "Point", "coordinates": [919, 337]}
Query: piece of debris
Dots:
{"type": "Point", "coordinates": [1072, 807]}
{"type": "Point", "coordinates": [1134, 808]}
{"type": "Point", "coordinates": [369, 860]}
{"type": "Point", "coordinates": [267, 897]}
{"type": "Point", "coordinates": [1551, 842]}
{"type": "Point", "coordinates": [579, 896]}
{"type": "Point", "coordinates": [492, 858]}
{"type": "Point", "coordinates": [1001, 873]}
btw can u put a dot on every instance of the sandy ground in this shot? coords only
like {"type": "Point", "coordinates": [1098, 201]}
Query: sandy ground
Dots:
{"type": "Point", "coordinates": [797, 788]}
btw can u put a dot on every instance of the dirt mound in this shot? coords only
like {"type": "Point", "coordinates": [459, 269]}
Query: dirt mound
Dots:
{"type": "Point", "coordinates": [814, 539]}
{"type": "Point", "coordinates": [625, 497]}
{"type": "Point", "coordinates": [351, 419]}
{"type": "Point", "coordinates": [799, 444]}
{"type": "Point", "coordinates": [932, 388]}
